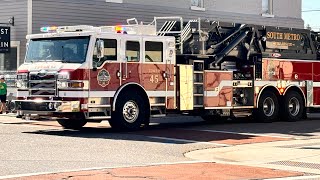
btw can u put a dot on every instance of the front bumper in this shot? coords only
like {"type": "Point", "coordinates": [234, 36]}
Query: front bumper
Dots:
{"type": "Point", "coordinates": [47, 106]}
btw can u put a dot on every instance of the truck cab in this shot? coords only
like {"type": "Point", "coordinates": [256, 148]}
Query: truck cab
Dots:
{"type": "Point", "coordinates": [81, 74]}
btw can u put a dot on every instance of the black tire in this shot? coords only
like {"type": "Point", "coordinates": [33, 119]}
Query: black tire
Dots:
{"type": "Point", "coordinates": [11, 107]}
{"type": "Point", "coordinates": [131, 113]}
{"type": "Point", "coordinates": [75, 124]}
{"type": "Point", "coordinates": [294, 107]}
{"type": "Point", "coordinates": [268, 108]}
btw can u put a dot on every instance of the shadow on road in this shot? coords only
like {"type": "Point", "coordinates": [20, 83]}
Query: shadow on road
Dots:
{"type": "Point", "coordinates": [195, 130]}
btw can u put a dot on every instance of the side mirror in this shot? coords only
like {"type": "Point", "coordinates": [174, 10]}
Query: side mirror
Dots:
{"type": "Point", "coordinates": [100, 49]}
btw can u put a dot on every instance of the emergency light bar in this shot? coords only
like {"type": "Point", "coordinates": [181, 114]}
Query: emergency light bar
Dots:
{"type": "Point", "coordinates": [121, 29]}
{"type": "Point", "coordinates": [66, 28]}
{"type": "Point", "coordinates": [49, 29]}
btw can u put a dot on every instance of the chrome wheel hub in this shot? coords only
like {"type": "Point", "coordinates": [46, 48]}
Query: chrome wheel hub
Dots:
{"type": "Point", "coordinates": [130, 111]}
{"type": "Point", "coordinates": [294, 106]}
{"type": "Point", "coordinates": [268, 107]}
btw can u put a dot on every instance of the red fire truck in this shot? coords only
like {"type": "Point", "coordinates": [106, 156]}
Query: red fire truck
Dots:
{"type": "Point", "coordinates": [127, 74]}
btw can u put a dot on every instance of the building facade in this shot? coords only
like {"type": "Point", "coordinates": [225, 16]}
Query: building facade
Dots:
{"type": "Point", "coordinates": [31, 15]}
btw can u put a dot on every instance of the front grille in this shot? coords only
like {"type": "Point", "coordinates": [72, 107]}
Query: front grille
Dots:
{"type": "Point", "coordinates": [43, 92]}
{"type": "Point", "coordinates": [43, 106]}
{"type": "Point", "coordinates": [42, 84]}
{"type": "Point", "coordinates": [40, 76]}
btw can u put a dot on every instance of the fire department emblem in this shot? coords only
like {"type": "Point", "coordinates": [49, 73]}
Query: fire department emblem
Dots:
{"type": "Point", "coordinates": [103, 78]}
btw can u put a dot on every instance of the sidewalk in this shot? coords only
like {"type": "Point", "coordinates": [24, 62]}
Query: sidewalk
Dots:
{"type": "Point", "coordinates": [185, 171]}
{"type": "Point", "coordinates": [278, 160]}
{"type": "Point", "coordinates": [294, 155]}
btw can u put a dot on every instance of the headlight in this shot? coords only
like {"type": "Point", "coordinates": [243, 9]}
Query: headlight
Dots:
{"type": "Point", "coordinates": [21, 84]}
{"type": "Point", "coordinates": [23, 76]}
{"type": "Point", "coordinates": [65, 84]}
{"type": "Point", "coordinates": [64, 76]}
{"type": "Point", "coordinates": [62, 84]}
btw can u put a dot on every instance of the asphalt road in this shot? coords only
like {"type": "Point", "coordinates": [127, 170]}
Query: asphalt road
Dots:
{"type": "Point", "coordinates": [39, 147]}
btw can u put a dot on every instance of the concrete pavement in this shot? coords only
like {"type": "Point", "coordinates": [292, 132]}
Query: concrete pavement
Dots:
{"type": "Point", "coordinates": [182, 171]}
{"type": "Point", "coordinates": [230, 156]}
{"type": "Point", "coordinates": [293, 155]}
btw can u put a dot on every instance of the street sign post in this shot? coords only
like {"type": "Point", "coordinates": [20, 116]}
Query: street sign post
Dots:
{"type": "Point", "coordinates": [5, 39]}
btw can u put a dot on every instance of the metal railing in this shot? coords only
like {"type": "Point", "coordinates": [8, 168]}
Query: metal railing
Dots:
{"type": "Point", "coordinates": [167, 28]}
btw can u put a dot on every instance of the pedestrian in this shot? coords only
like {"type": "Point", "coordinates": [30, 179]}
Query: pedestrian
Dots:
{"type": "Point", "coordinates": [3, 94]}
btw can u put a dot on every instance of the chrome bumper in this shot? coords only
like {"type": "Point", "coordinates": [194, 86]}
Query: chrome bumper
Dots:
{"type": "Point", "coordinates": [47, 106]}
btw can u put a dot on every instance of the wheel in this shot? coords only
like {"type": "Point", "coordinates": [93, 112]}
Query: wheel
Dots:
{"type": "Point", "coordinates": [72, 123]}
{"type": "Point", "coordinates": [131, 113]}
{"type": "Point", "coordinates": [214, 118]}
{"type": "Point", "coordinates": [293, 106]}
{"type": "Point", "coordinates": [268, 108]}
{"type": "Point", "coordinates": [11, 107]}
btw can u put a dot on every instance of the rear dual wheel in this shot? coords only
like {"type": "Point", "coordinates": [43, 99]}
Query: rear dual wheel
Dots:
{"type": "Point", "coordinates": [268, 108]}
{"type": "Point", "coordinates": [294, 106]}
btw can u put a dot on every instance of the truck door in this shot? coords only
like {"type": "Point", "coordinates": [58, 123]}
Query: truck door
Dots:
{"type": "Point", "coordinates": [106, 72]}
{"type": "Point", "coordinates": [157, 73]}
{"type": "Point", "coordinates": [130, 59]}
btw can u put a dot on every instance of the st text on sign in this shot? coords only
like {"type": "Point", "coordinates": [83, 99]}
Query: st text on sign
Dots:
{"type": "Point", "coordinates": [4, 39]}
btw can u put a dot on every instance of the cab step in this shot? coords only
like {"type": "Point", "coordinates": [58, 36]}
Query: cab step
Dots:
{"type": "Point", "coordinates": [98, 118]}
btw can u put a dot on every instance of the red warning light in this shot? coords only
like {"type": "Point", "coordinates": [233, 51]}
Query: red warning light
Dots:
{"type": "Point", "coordinates": [119, 29]}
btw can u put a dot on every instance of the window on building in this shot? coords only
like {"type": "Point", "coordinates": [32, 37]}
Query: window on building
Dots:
{"type": "Point", "coordinates": [8, 61]}
{"type": "Point", "coordinates": [154, 51]}
{"type": "Point", "coordinates": [133, 51]}
{"type": "Point", "coordinates": [197, 5]}
{"type": "Point", "coordinates": [267, 6]}
{"type": "Point", "coordinates": [110, 52]}
{"type": "Point", "coordinates": [8, 66]}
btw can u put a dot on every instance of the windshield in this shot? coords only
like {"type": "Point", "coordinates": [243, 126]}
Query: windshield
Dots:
{"type": "Point", "coordinates": [65, 49]}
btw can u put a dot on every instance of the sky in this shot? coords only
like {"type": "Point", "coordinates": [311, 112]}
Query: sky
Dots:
{"type": "Point", "coordinates": [312, 18]}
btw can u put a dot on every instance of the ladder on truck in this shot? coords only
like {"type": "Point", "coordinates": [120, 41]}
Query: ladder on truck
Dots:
{"type": "Point", "coordinates": [164, 26]}
{"type": "Point", "coordinates": [174, 26]}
